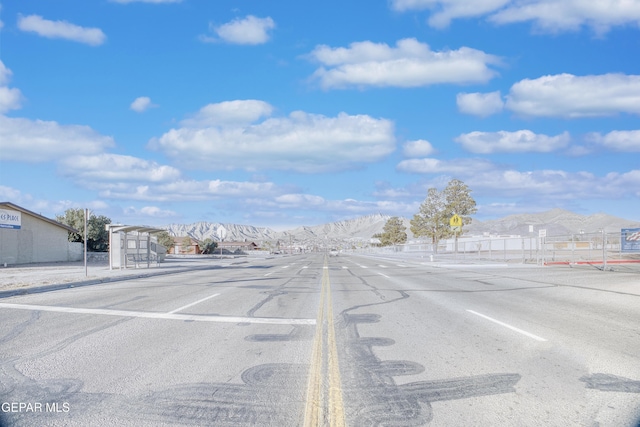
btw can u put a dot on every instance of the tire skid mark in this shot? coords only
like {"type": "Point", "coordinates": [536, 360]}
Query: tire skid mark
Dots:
{"type": "Point", "coordinates": [374, 397]}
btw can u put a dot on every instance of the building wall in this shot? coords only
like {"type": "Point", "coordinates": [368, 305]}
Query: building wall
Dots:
{"type": "Point", "coordinates": [35, 241]}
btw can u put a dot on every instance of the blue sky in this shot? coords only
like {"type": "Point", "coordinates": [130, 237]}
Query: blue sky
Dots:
{"type": "Point", "coordinates": [291, 113]}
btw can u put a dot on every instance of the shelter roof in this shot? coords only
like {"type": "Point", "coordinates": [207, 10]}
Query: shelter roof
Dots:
{"type": "Point", "coordinates": [115, 228]}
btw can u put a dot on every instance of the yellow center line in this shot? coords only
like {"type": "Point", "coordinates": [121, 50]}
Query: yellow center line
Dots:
{"type": "Point", "coordinates": [316, 397]}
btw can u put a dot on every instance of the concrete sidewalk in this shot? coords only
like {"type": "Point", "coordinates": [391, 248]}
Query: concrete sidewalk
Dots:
{"type": "Point", "coordinates": [34, 278]}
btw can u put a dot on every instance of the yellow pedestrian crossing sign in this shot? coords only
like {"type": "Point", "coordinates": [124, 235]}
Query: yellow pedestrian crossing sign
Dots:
{"type": "Point", "coordinates": [455, 221]}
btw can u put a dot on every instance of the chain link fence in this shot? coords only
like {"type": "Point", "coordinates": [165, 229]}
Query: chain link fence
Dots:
{"type": "Point", "coordinates": [598, 249]}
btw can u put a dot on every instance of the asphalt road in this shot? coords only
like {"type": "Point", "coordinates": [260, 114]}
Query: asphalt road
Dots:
{"type": "Point", "coordinates": [315, 340]}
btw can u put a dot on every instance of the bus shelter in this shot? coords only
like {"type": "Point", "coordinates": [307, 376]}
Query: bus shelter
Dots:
{"type": "Point", "coordinates": [134, 246]}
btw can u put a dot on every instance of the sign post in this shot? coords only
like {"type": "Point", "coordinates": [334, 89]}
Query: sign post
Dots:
{"type": "Point", "coordinates": [455, 222]}
{"type": "Point", "coordinates": [542, 235]}
{"type": "Point", "coordinates": [221, 232]}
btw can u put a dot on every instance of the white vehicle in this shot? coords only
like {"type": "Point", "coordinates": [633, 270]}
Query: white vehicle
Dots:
{"type": "Point", "coordinates": [333, 252]}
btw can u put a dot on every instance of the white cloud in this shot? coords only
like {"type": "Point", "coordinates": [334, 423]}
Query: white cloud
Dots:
{"type": "Point", "coordinates": [39, 141]}
{"type": "Point", "coordinates": [150, 211]}
{"type": "Point", "coordinates": [61, 30]}
{"type": "Point", "coordinates": [48, 208]}
{"type": "Point", "coordinates": [10, 99]}
{"type": "Point", "coordinates": [463, 167]}
{"type": "Point", "coordinates": [300, 142]}
{"type": "Point", "coordinates": [5, 74]}
{"type": "Point", "coordinates": [555, 184]}
{"type": "Point", "coordinates": [522, 141]}
{"type": "Point", "coordinates": [115, 167]}
{"type": "Point", "coordinates": [561, 15]}
{"type": "Point", "coordinates": [480, 104]}
{"type": "Point", "coordinates": [239, 112]}
{"type": "Point", "coordinates": [627, 141]}
{"type": "Point", "coordinates": [141, 104]}
{"type": "Point", "coordinates": [569, 96]}
{"type": "Point", "coordinates": [339, 208]}
{"type": "Point", "coordinates": [549, 186]}
{"type": "Point", "coordinates": [546, 15]}
{"type": "Point", "coordinates": [447, 10]}
{"type": "Point", "coordinates": [300, 200]}
{"type": "Point", "coordinates": [408, 64]}
{"type": "Point", "coordinates": [250, 30]}
{"type": "Point", "coordinates": [418, 148]}
{"type": "Point", "coordinates": [190, 190]}
{"type": "Point", "coordinates": [11, 194]}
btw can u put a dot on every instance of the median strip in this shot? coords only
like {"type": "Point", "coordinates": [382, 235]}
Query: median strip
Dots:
{"type": "Point", "coordinates": [318, 401]}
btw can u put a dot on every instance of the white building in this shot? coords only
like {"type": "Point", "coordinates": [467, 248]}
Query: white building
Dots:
{"type": "Point", "coordinates": [27, 237]}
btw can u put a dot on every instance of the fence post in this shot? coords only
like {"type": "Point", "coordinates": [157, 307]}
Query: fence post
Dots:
{"type": "Point", "coordinates": [504, 247]}
{"type": "Point", "coordinates": [604, 250]}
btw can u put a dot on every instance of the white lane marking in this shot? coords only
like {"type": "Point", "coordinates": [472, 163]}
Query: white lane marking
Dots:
{"type": "Point", "coordinates": [326, 267]}
{"type": "Point", "coordinates": [384, 275]}
{"type": "Point", "coordinates": [401, 265]}
{"type": "Point", "coordinates": [345, 267]}
{"type": "Point", "coordinates": [268, 274]}
{"type": "Point", "coordinates": [382, 266]}
{"type": "Point", "coordinates": [193, 303]}
{"type": "Point", "coordinates": [362, 266]}
{"type": "Point", "coordinates": [166, 316]}
{"type": "Point", "coordinates": [306, 266]}
{"type": "Point", "coordinates": [513, 328]}
{"type": "Point", "coordinates": [286, 266]}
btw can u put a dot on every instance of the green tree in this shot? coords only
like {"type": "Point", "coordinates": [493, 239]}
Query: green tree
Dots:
{"type": "Point", "coordinates": [165, 239]}
{"type": "Point", "coordinates": [393, 233]}
{"type": "Point", "coordinates": [207, 246]}
{"type": "Point", "coordinates": [459, 202]}
{"type": "Point", "coordinates": [97, 234]}
{"type": "Point", "coordinates": [431, 220]}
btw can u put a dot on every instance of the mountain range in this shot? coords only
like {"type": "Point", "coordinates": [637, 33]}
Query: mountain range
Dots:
{"type": "Point", "coordinates": [555, 221]}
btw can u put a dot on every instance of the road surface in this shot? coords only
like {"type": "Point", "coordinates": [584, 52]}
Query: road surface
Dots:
{"type": "Point", "coordinates": [319, 340]}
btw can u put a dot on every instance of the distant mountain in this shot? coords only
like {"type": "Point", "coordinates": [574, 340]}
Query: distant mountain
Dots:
{"type": "Point", "coordinates": [209, 230]}
{"type": "Point", "coordinates": [358, 229]}
{"type": "Point", "coordinates": [361, 228]}
{"type": "Point", "coordinates": [556, 222]}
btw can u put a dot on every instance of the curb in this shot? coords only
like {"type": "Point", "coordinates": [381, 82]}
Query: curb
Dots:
{"type": "Point", "coordinates": [82, 283]}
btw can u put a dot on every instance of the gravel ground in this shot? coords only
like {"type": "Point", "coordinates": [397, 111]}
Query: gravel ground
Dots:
{"type": "Point", "coordinates": [28, 277]}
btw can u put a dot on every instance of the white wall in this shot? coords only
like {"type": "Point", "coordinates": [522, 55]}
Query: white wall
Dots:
{"type": "Point", "coordinates": [35, 241]}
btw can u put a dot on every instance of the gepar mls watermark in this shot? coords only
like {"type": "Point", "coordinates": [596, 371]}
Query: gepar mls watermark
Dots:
{"type": "Point", "coordinates": [34, 407]}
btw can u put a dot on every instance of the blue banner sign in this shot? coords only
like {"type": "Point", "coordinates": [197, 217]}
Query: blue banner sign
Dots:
{"type": "Point", "coordinates": [630, 240]}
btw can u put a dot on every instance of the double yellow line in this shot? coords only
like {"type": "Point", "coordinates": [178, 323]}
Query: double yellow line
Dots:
{"type": "Point", "coordinates": [324, 408]}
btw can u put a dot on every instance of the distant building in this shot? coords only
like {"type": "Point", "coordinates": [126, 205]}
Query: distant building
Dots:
{"type": "Point", "coordinates": [27, 237]}
{"type": "Point", "coordinates": [236, 247]}
{"type": "Point", "coordinates": [185, 245]}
